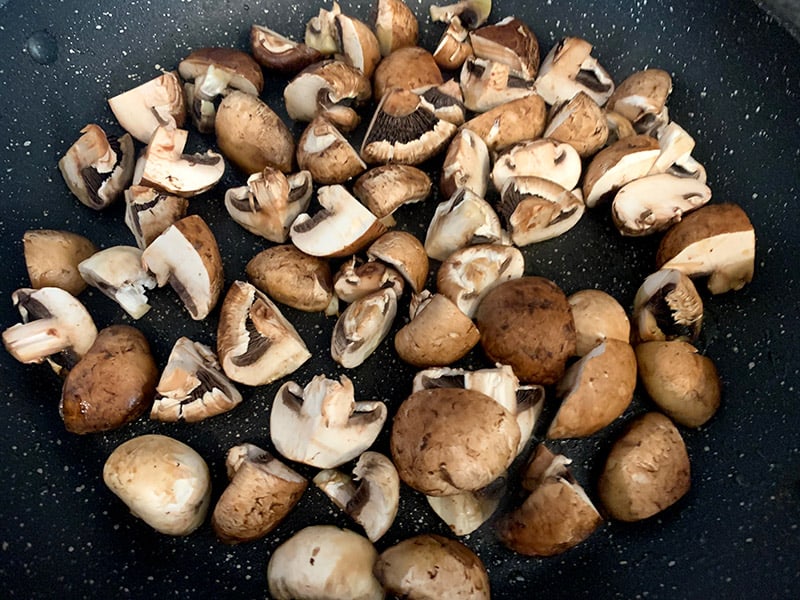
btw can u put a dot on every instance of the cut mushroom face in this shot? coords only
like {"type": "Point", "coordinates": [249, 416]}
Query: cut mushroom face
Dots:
{"type": "Point", "coordinates": [149, 212]}
{"type": "Point", "coordinates": [570, 68]}
{"type": "Point", "coordinates": [119, 274]}
{"type": "Point", "coordinates": [406, 253]}
{"type": "Point", "coordinates": [355, 279]}
{"type": "Point", "coordinates": [52, 257]}
{"type": "Point", "coordinates": [667, 307]}
{"type": "Point", "coordinates": [277, 52]}
{"type": "Point", "coordinates": [454, 47]}
{"type": "Point", "coordinates": [473, 13]}
{"type": "Point", "coordinates": [322, 425]}
{"type": "Point", "coordinates": [96, 168]}
{"type": "Point", "coordinates": [511, 42]}
{"type": "Point", "coordinates": [362, 327]}
{"type": "Point", "coordinates": [580, 122]}
{"type": "Point", "coordinates": [466, 164]}
{"type": "Point", "coordinates": [386, 188]}
{"type": "Point", "coordinates": [623, 161]}
{"type": "Point", "coordinates": [465, 512]}
{"type": "Point", "coordinates": [407, 68]}
{"type": "Point", "coordinates": [546, 158]}
{"type": "Point", "coordinates": [445, 101]}
{"type": "Point", "coordinates": [395, 26]}
{"type": "Point", "coordinates": [641, 98]}
{"type": "Point", "coordinates": [675, 148]}
{"type": "Point", "coordinates": [487, 84]}
{"type": "Point", "coordinates": [153, 104]}
{"type": "Point", "coordinates": [325, 153]}
{"type": "Point", "coordinates": [256, 344]}
{"type": "Point", "coordinates": [356, 42]}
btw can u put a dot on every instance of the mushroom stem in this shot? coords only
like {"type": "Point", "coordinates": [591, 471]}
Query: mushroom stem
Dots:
{"type": "Point", "coordinates": [32, 342]}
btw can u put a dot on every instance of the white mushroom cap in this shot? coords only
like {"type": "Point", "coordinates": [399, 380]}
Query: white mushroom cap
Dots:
{"type": "Point", "coordinates": [119, 274]}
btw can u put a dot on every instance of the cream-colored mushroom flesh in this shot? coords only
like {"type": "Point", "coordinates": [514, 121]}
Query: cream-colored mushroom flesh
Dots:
{"type": "Point", "coordinates": [119, 274]}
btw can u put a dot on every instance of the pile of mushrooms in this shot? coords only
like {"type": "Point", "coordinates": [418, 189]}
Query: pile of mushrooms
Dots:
{"type": "Point", "coordinates": [526, 145]}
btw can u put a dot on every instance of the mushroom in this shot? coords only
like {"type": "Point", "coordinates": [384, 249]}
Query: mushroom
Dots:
{"type": "Point", "coordinates": [618, 126]}
{"type": "Point", "coordinates": [445, 101]}
{"type": "Point", "coordinates": [556, 161]}
{"type": "Point", "coordinates": [322, 425]}
{"type": "Point", "coordinates": [536, 209]}
{"type": "Point", "coordinates": [164, 166]}
{"type": "Point", "coordinates": [149, 212]}
{"type": "Point", "coordinates": [487, 84]}
{"type": "Point", "coordinates": [403, 251]}
{"type": "Point", "coordinates": [404, 131]}
{"type": "Point", "coordinates": [511, 42]}
{"type": "Point", "coordinates": [641, 98]}
{"type": "Point", "coordinates": [356, 279]}
{"type": "Point", "coordinates": [570, 68]}
{"type": "Point", "coordinates": [652, 203]}
{"type": "Point", "coordinates": [362, 326]}
{"type": "Point", "coordinates": [717, 241]}
{"type": "Point", "coordinates": [454, 47]}
{"type": "Point", "coordinates": [113, 384]}
{"type": "Point", "coordinates": [55, 326]}
{"type": "Point", "coordinates": [625, 160]}
{"type": "Point", "coordinates": [192, 386]}
{"type": "Point", "coordinates": [162, 481]}
{"type": "Point", "coordinates": [323, 561]}
{"type": "Point", "coordinates": [320, 33]}
{"type": "Point", "coordinates": [472, 13]}
{"type": "Point", "coordinates": [373, 502]}
{"type": "Point", "coordinates": [432, 566]}
{"type": "Point", "coordinates": [667, 307]}
{"type": "Point", "coordinates": [261, 492]}
{"type": "Point", "coordinates": [467, 275]}
{"type": "Point", "coordinates": [675, 149]}
{"type": "Point", "coordinates": [356, 42]}
{"type": "Point", "coordinates": [466, 164]}
{"type": "Point", "coordinates": [386, 188]}
{"type": "Point", "coordinates": [325, 153]}
{"type": "Point", "coordinates": [580, 122]}
{"type": "Point", "coordinates": [256, 344]}
{"type": "Point", "coordinates": [119, 274]}
{"type": "Point", "coordinates": [342, 227]}
{"type": "Point", "coordinates": [598, 317]}
{"type": "Point", "coordinates": [407, 68]}
{"type": "Point", "coordinates": [186, 257]}
{"type": "Point", "coordinates": [294, 278]}
{"type": "Point", "coordinates": [251, 135]}
{"type": "Point", "coordinates": [153, 104]}
{"type": "Point", "coordinates": [97, 167]}
{"type": "Point", "coordinates": [270, 202]}
{"type": "Point", "coordinates": [510, 123]}
{"type": "Point", "coordinates": [465, 512]}
{"type": "Point", "coordinates": [276, 52]}
{"type": "Point", "coordinates": [52, 257]}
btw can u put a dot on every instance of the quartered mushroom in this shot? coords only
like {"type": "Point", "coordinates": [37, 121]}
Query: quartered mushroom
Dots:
{"type": "Point", "coordinates": [192, 386]}
{"type": "Point", "coordinates": [408, 68]}
{"type": "Point", "coordinates": [580, 122]}
{"type": "Point", "coordinates": [687, 166]}
{"type": "Point", "coordinates": [325, 153]}
{"type": "Point", "coordinates": [356, 279]}
{"type": "Point", "coordinates": [510, 123]}
{"type": "Point", "coordinates": [472, 13]}
{"type": "Point", "coordinates": [270, 202]}
{"type": "Point", "coordinates": [186, 257]}
{"type": "Point", "coordinates": [333, 32]}
{"type": "Point", "coordinates": [511, 42]}
{"type": "Point", "coordinates": [546, 158]}
{"type": "Point", "coordinates": [395, 26]}
{"type": "Point", "coordinates": [386, 188]}
{"type": "Point", "coordinates": [618, 126]}
{"type": "Point", "coordinates": [403, 251]}
{"type": "Point", "coordinates": [454, 47]}
{"type": "Point", "coordinates": [465, 512]}
{"type": "Point", "coordinates": [466, 164]}
{"type": "Point", "coordinates": [52, 257]}
{"type": "Point", "coordinates": [372, 502]}
{"type": "Point", "coordinates": [623, 161]}
{"type": "Point", "coordinates": [570, 68]}
{"type": "Point", "coordinates": [536, 209]}
{"type": "Point", "coordinates": [675, 149]}
{"type": "Point", "coordinates": [97, 167]}
{"type": "Point", "coordinates": [642, 99]}
{"type": "Point", "coordinates": [445, 101]}
{"type": "Point", "coordinates": [322, 425]}
{"type": "Point", "coordinates": [155, 103]}
{"type": "Point", "coordinates": [598, 317]}
{"type": "Point", "coordinates": [278, 53]}
{"type": "Point", "coordinates": [488, 84]}
{"type": "Point", "coordinates": [148, 212]}
{"type": "Point", "coordinates": [667, 307]}
{"type": "Point", "coordinates": [256, 344]}
{"type": "Point", "coordinates": [118, 273]}
{"type": "Point", "coordinates": [362, 327]}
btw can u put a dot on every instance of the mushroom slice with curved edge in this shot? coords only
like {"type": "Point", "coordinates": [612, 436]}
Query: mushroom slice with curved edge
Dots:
{"type": "Point", "coordinates": [373, 502]}
{"type": "Point", "coordinates": [262, 490]}
{"type": "Point", "coordinates": [402, 130]}
{"type": "Point", "coordinates": [623, 161]}
{"type": "Point", "coordinates": [164, 166]}
{"type": "Point", "coordinates": [362, 327]}
{"type": "Point", "coordinates": [468, 274]}
{"type": "Point", "coordinates": [277, 52]}
{"type": "Point", "coordinates": [546, 158]}
{"type": "Point", "coordinates": [403, 251]}
{"type": "Point", "coordinates": [465, 219]}
{"type": "Point", "coordinates": [580, 122]}
{"type": "Point", "coordinates": [186, 257]}
{"type": "Point", "coordinates": [570, 68]}
{"type": "Point", "coordinates": [55, 326]}
{"type": "Point", "coordinates": [148, 212]}
{"type": "Point", "coordinates": [597, 316]}
{"type": "Point", "coordinates": [472, 13]}
{"type": "Point", "coordinates": [718, 241]}
{"type": "Point", "coordinates": [322, 425]}
{"type": "Point", "coordinates": [408, 68]}
{"type": "Point", "coordinates": [355, 279]}
{"type": "Point", "coordinates": [325, 153]}
{"type": "Point", "coordinates": [268, 204]}
{"type": "Point", "coordinates": [342, 227]}
{"type": "Point", "coordinates": [511, 42]}
{"type": "Point", "coordinates": [97, 167]}
{"type": "Point", "coordinates": [454, 47]}
{"type": "Point", "coordinates": [536, 209]}
{"type": "Point", "coordinates": [153, 104]}
{"type": "Point", "coordinates": [487, 84]}
{"type": "Point", "coordinates": [386, 188]}
{"type": "Point", "coordinates": [641, 98]}
{"type": "Point", "coordinates": [466, 164]}
{"type": "Point", "coordinates": [667, 307]}
{"type": "Point", "coordinates": [395, 26]}
{"type": "Point", "coordinates": [444, 100]}
{"type": "Point", "coordinates": [556, 516]}
{"type": "Point", "coordinates": [52, 257]}
{"type": "Point", "coordinates": [255, 343]}
{"type": "Point", "coordinates": [653, 203]}
{"type": "Point", "coordinates": [192, 386]}
{"type": "Point", "coordinates": [463, 513]}
{"type": "Point", "coordinates": [119, 274]}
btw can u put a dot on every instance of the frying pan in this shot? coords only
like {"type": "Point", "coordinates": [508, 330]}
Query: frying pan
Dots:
{"type": "Point", "coordinates": [736, 89]}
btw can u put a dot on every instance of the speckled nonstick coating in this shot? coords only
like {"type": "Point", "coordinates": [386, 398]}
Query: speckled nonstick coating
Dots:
{"type": "Point", "coordinates": [736, 89]}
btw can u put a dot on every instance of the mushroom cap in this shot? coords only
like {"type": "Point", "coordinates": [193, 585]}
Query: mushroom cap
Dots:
{"type": "Point", "coordinates": [148, 106]}
{"type": "Point", "coordinates": [488, 84]}
{"type": "Point", "coordinates": [119, 274]}
{"type": "Point", "coordinates": [466, 164]}
{"type": "Point", "coordinates": [667, 307]}
{"type": "Point", "coordinates": [357, 43]}
{"type": "Point", "coordinates": [546, 158]}
{"type": "Point", "coordinates": [579, 122]}
{"type": "Point", "coordinates": [149, 212]}
{"type": "Point", "coordinates": [598, 316]}
{"type": "Point", "coordinates": [625, 160]}
{"type": "Point", "coordinates": [511, 42]}
{"type": "Point", "coordinates": [362, 326]}
{"type": "Point", "coordinates": [245, 73]}
{"type": "Point", "coordinates": [326, 153]}
{"type": "Point", "coordinates": [408, 68]}
{"type": "Point", "coordinates": [454, 47]}
{"type": "Point", "coordinates": [448, 440]}
{"type": "Point", "coordinates": [514, 121]}
{"type": "Point", "coordinates": [404, 252]}
{"type": "Point", "coordinates": [52, 257]}
{"type": "Point", "coordinates": [641, 97]}
{"type": "Point", "coordinates": [386, 188]}
{"type": "Point", "coordinates": [395, 26]}
{"type": "Point", "coordinates": [277, 52]}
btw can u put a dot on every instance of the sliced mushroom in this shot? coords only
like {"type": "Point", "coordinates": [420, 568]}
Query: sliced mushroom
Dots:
{"type": "Point", "coordinates": [407, 68]}
{"type": "Point", "coordinates": [667, 307]}
{"type": "Point", "coordinates": [445, 101]}
{"type": "Point", "coordinates": [256, 344]}
{"type": "Point", "coordinates": [406, 253]}
{"type": "Point", "coordinates": [687, 166]}
{"type": "Point", "coordinates": [454, 47]}
{"type": "Point", "coordinates": [356, 279]}
{"type": "Point", "coordinates": [373, 502]}
{"type": "Point", "coordinates": [580, 122]}
{"type": "Point", "coordinates": [192, 386]}
{"type": "Point", "coordinates": [362, 327]}
{"type": "Point", "coordinates": [675, 147]}
{"type": "Point", "coordinates": [277, 52]}
{"type": "Point", "coordinates": [570, 68]}
{"type": "Point", "coordinates": [473, 13]}
{"type": "Point", "coordinates": [641, 98]}
{"type": "Point", "coordinates": [320, 33]}
{"type": "Point", "coordinates": [618, 127]}
{"type": "Point", "coordinates": [511, 42]}
{"type": "Point", "coordinates": [395, 26]}
{"type": "Point", "coordinates": [119, 274]}
{"type": "Point", "coordinates": [623, 161]}
{"type": "Point", "coordinates": [325, 153]}
{"type": "Point", "coordinates": [97, 167]}
{"type": "Point", "coordinates": [148, 212]}
{"type": "Point", "coordinates": [466, 164]}
{"type": "Point", "coordinates": [322, 425]}
{"type": "Point", "coordinates": [186, 257]}
{"type": "Point", "coordinates": [487, 84]}
{"type": "Point", "coordinates": [52, 257]}
{"type": "Point", "coordinates": [386, 188]}
{"type": "Point", "coordinates": [356, 42]}
{"type": "Point", "coordinates": [598, 317]}
{"type": "Point", "coordinates": [546, 158]}
{"type": "Point", "coordinates": [145, 108]}
{"type": "Point", "coordinates": [465, 512]}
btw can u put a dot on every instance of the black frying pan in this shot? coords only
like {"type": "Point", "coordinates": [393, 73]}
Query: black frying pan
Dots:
{"type": "Point", "coordinates": [737, 89]}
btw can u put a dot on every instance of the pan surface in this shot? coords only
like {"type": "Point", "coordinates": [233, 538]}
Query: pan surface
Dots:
{"type": "Point", "coordinates": [736, 89]}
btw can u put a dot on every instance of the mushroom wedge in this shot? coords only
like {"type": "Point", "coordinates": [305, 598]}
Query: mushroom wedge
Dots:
{"type": "Point", "coordinates": [511, 42]}
{"type": "Point", "coordinates": [622, 162]}
{"type": "Point", "coordinates": [453, 47]}
{"type": "Point", "coordinates": [667, 307]}
{"type": "Point", "coordinates": [256, 344]}
{"type": "Point", "coordinates": [641, 98]}
{"type": "Point", "coordinates": [546, 158]}
{"type": "Point", "coordinates": [465, 512]}
{"type": "Point", "coordinates": [322, 425]}
{"type": "Point", "coordinates": [362, 327]}
{"type": "Point", "coordinates": [395, 26]}
{"type": "Point", "coordinates": [148, 212]}
{"type": "Point", "coordinates": [570, 68]}
{"type": "Point", "coordinates": [580, 122]}
{"type": "Point", "coordinates": [327, 154]}
{"type": "Point", "coordinates": [52, 257]}
{"type": "Point", "coordinates": [466, 164]}
{"type": "Point", "coordinates": [148, 106]}
{"type": "Point", "coordinates": [332, 32]}
{"type": "Point", "coordinates": [356, 279]}
{"type": "Point", "coordinates": [277, 52]}
{"type": "Point", "coordinates": [386, 188]}
{"type": "Point", "coordinates": [404, 252]}
{"type": "Point", "coordinates": [119, 274]}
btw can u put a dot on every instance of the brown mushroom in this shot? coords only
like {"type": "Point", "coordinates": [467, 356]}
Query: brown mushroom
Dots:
{"type": "Point", "coordinates": [148, 106]}
{"type": "Point", "coordinates": [570, 68]}
{"type": "Point", "coordinates": [511, 42]}
{"type": "Point", "coordinates": [512, 122]}
{"type": "Point", "coordinates": [52, 257]}
{"type": "Point", "coordinates": [641, 98]}
{"type": "Point", "coordinates": [277, 52]}
{"type": "Point", "coordinates": [546, 158]}
{"type": "Point", "coordinates": [408, 68]}
{"type": "Point", "coordinates": [148, 212]}
{"type": "Point", "coordinates": [625, 160]}
{"type": "Point", "coordinates": [325, 153]}
{"type": "Point", "coordinates": [667, 307]}
{"type": "Point", "coordinates": [473, 13]}
{"type": "Point", "coordinates": [395, 26]}
{"type": "Point", "coordinates": [580, 122]}
{"type": "Point", "coordinates": [466, 164]}
{"type": "Point", "coordinates": [356, 279]}
{"type": "Point", "coordinates": [119, 274]}
{"type": "Point", "coordinates": [487, 84]}
{"type": "Point", "coordinates": [454, 47]}
{"type": "Point", "coordinates": [403, 251]}
{"type": "Point", "coordinates": [598, 317]}
{"type": "Point", "coordinates": [386, 188]}
{"type": "Point", "coordinates": [362, 326]}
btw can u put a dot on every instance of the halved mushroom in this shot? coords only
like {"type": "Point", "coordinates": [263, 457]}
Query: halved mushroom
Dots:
{"type": "Point", "coordinates": [623, 161]}
{"type": "Point", "coordinates": [256, 344]}
{"type": "Point", "coordinates": [325, 153]}
{"type": "Point", "coordinates": [473, 13]}
{"type": "Point", "coordinates": [356, 279]}
{"type": "Point", "coordinates": [487, 84]}
{"type": "Point", "coordinates": [164, 166]}
{"type": "Point", "coordinates": [322, 425]}
{"type": "Point", "coordinates": [97, 167]}
{"type": "Point", "coordinates": [641, 98]}
{"type": "Point", "coordinates": [675, 148]}
{"type": "Point", "coordinates": [546, 158]}
{"type": "Point", "coordinates": [186, 257]}
{"type": "Point", "coordinates": [718, 241]}
{"type": "Point", "coordinates": [667, 307]}
{"type": "Point", "coordinates": [386, 188]}
{"type": "Point", "coordinates": [145, 108]}
{"type": "Point", "coordinates": [407, 68]}
{"type": "Point", "coordinates": [270, 202]}
{"type": "Point", "coordinates": [395, 26]}
{"type": "Point", "coordinates": [445, 101]}
{"type": "Point", "coordinates": [580, 122]}
{"type": "Point", "coordinates": [373, 502]}
{"type": "Point", "coordinates": [277, 52]}
{"type": "Point", "coordinates": [454, 47]}
{"type": "Point", "coordinates": [356, 42]}
{"type": "Point", "coordinates": [118, 273]}
{"type": "Point", "coordinates": [597, 316]}
{"type": "Point", "coordinates": [403, 251]}
{"type": "Point", "coordinates": [463, 513]}
{"type": "Point", "coordinates": [362, 327]}
{"type": "Point", "coordinates": [570, 68]}
{"type": "Point", "coordinates": [516, 121]}
{"type": "Point", "coordinates": [342, 227]}
{"type": "Point", "coordinates": [192, 386]}
{"type": "Point", "coordinates": [511, 42]}
{"type": "Point", "coordinates": [655, 202]}
{"type": "Point", "coordinates": [55, 326]}
{"type": "Point", "coordinates": [52, 257]}
{"type": "Point", "coordinates": [148, 212]}
{"type": "Point", "coordinates": [466, 164]}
